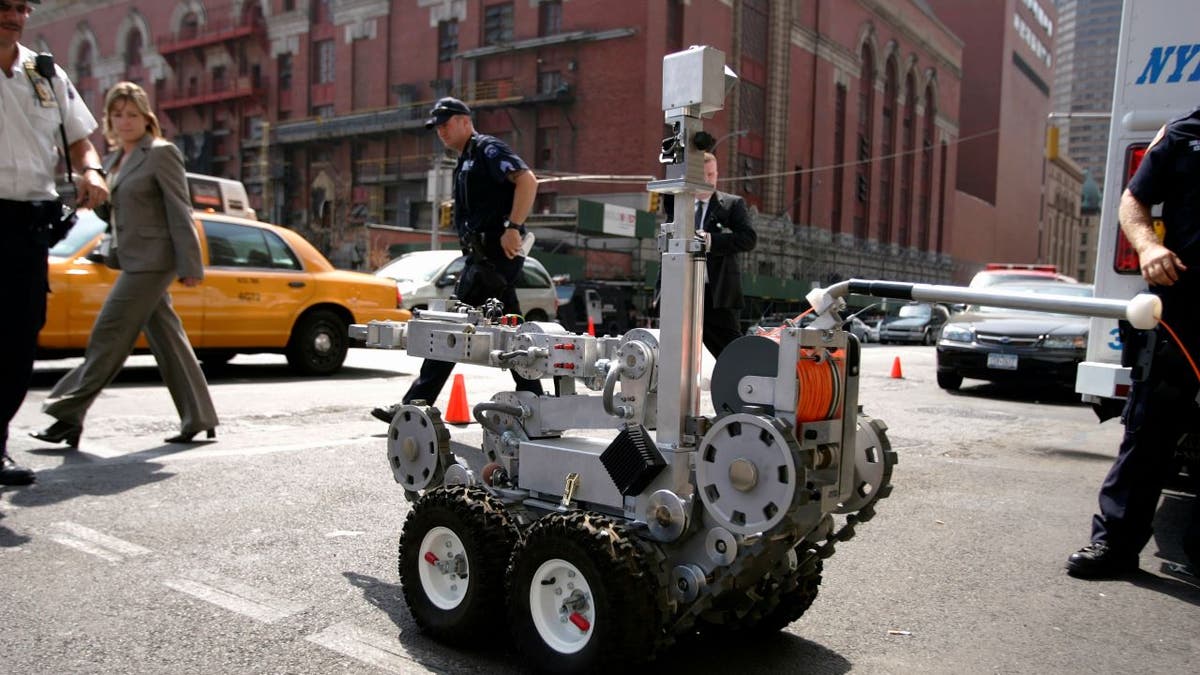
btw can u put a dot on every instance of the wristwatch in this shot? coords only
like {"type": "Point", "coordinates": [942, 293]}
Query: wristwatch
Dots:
{"type": "Point", "coordinates": [510, 225]}
{"type": "Point", "coordinates": [97, 169]}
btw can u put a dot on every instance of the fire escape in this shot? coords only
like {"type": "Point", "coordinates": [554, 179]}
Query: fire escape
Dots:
{"type": "Point", "coordinates": [215, 97]}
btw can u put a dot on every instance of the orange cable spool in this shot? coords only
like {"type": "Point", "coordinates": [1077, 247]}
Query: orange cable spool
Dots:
{"type": "Point", "coordinates": [820, 386]}
{"type": "Point", "coordinates": [820, 374]}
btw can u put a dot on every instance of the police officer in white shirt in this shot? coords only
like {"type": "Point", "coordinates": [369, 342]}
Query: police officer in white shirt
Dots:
{"type": "Point", "coordinates": [31, 109]}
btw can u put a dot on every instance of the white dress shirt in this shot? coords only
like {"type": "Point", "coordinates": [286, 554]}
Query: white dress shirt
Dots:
{"type": "Point", "coordinates": [29, 134]}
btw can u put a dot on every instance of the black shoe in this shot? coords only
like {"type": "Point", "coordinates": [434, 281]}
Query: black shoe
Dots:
{"type": "Point", "coordinates": [385, 414]}
{"type": "Point", "coordinates": [188, 436]}
{"type": "Point", "coordinates": [60, 432]}
{"type": "Point", "coordinates": [1098, 560]}
{"type": "Point", "coordinates": [12, 473]}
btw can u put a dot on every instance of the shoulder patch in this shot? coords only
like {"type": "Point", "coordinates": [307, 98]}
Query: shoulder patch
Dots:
{"type": "Point", "coordinates": [491, 150]}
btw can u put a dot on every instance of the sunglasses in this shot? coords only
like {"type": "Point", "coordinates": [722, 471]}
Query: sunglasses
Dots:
{"type": "Point", "coordinates": [20, 7]}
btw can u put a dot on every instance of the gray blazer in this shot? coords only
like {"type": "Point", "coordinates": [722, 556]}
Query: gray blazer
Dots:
{"type": "Point", "coordinates": [151, 211]}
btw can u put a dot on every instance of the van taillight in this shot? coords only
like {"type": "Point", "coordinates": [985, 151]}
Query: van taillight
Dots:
{"type": "Point", "coordinates": [399, 298]}
{"type": "Point", "coordinates": [1125, 258]}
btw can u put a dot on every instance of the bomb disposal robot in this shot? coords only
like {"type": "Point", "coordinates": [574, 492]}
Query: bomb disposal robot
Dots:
{"type": "Point", "coordinates": [599, 550]}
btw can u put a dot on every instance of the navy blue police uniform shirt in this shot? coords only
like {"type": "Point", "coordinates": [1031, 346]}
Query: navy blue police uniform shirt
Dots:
{"type": "Point", "coordinates": [1170, 175]}
{"type": "Point", "coordinates": [483, 194]}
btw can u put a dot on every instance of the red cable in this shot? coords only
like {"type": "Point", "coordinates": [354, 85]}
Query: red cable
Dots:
{"type": "Point", "coordinates": [1182, 348]}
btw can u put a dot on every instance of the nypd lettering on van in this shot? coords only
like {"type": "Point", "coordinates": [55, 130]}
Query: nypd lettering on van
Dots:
{"type": "Point", "coordinates": [1174, 60]}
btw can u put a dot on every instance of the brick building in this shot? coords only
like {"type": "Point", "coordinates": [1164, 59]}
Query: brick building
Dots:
{"type": "Point", "coordinates": [1008, 60]}
{"type": "Point", "coordinates": [842, 133]}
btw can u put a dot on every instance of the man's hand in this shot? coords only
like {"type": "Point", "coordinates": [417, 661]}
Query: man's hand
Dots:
{"type": "Point", "coordinates": [1160, 266]}
{"type": "Point", "coordinates": [510, 241]}
{"type": "Point", "coordinates": [92, 190]}
{"type": "Point", "coordinates": [190, 282]}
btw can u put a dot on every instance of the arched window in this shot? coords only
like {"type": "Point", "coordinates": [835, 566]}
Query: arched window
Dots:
{"type": "Point", "coordinates": [133, 49]}
{"type": "Point", "coordinates": [189, 27]}
{"type": "Point", "coordinates": [83, 61]}
{"type": "Point", "coordinates": [887, 149]}
{"type": "Point", "coordinates": [908, 137]}
{"type": "Point", "coordinates": [866, 118]}
{"type": "Point", "coordinates": [927, 141]}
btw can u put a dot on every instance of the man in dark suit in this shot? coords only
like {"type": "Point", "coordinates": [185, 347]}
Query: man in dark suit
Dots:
{"type": "Point", "coordinates": [724, 222]}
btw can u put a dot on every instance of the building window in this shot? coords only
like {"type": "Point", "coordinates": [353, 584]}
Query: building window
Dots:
{"type": "Point", "coordinates": [289, 5]}
{"type": "Point", "coordinates": [547, 140]}
{"type": "Point", "coordinates": [927, 170]}
{"type": "Point", "coordinates": [322, 11]}
{"type": "Point", "coordinates": [83, 61]}
{"type": "Point", "coordinates": [284, 66]}
{"type": "Point", "coordinates": [549, 82]}
{"type": "Point", "coordinates": [447, 39]}
{"type": "Point", "coordinates": [550, 17]}
{"type": "Point", "coordinates": [218, 78]}
{"type": "Point", "coordinates": [886, 148]}
{"type": "Point", "coordinates": [909, 138]}
{"type": "Point", "coordinates": [323, 67]}
{"type": "Point", "coordinates": [323, 111]}
{"type": "Point", "coordinates": [498, 24]}
{"type": "Point", "coordinates": [941, 233]}
{"type": "Point", "coordinates": [133, 49]}
{"type": "Point", "coordinates": [866, 118]}
{"type": "Point", "coordinates": [839, 158]}
{"type": "Point", "coordinates": [253, 130]}
{"type": "Point", "coordinates": [189, 27]}
{"type": "Point", "coordinates": [797, 190]}
{"type": "Point", "coordinates": [674, 25]}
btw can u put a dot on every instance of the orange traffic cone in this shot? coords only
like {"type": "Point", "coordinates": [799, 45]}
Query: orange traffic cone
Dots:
{"type": "Point", "coordinates": [896, 373]}
{"type": "Point", "coordinates": [458, 411]}
{"type": "Point", "coordinates": [591, 327]}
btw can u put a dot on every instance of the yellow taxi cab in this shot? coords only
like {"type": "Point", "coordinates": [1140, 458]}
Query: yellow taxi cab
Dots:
{"type": "Point", "coordinates": [265, 289]}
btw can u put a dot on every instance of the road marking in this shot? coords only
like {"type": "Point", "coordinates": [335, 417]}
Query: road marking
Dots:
{"type": "Point", "coordinates": [78, 545]}
{"type": "Point", "coordinates": [381, 651]}
{"type": "Point", "coordinates": [344, 533]}
{"type": "Point", "coordinates": [103, 546]}
{"type": "Point", "coordinates": [235, 597]}
{"type": "Point", "coordinates": [174, 455]}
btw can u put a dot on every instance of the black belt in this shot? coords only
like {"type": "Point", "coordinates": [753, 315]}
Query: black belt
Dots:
{"type": "Point", "coordinates": [35, 215]}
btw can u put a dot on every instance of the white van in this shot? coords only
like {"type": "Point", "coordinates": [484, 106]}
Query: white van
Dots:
{"type": "Point", "coordinates": [1156, 81]}
{"type": "Point", "coordinates": [219, 195]}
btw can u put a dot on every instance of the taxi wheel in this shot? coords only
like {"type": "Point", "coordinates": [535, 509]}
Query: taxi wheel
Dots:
{"type": "Point", "coordinates": [319, 343]}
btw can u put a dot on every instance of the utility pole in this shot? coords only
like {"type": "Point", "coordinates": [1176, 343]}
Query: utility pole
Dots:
{"type": "Point", "coordinates": [264, 156]}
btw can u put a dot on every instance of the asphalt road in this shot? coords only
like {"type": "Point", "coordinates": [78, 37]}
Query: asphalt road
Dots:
{"type": "Point", "coordinates": [274, 549]}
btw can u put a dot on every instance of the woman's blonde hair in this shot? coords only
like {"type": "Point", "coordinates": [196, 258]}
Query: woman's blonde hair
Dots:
{"type": "Point", "coordinates": [129, 92]}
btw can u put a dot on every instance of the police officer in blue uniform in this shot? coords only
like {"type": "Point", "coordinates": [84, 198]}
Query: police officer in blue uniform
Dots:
{"type": "Point", "coordinates": [1162, 400]}
{"type": "Point", "coordinates": [493, 194]}
{"type": "Point", "coordinates": [34, 102]}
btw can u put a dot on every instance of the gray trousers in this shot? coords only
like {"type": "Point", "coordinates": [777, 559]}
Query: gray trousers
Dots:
{"type": "Point", "coordinates": [138, 302]}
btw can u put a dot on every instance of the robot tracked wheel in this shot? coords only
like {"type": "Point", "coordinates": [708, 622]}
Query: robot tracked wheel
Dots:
{"type": "Point", "coordinates": [873, 462]}
{"type": "Point", "coordinates": [418, 447]}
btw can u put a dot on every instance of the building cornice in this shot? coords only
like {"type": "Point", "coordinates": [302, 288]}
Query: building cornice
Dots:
{"type": "Point", "coordinates": [886, 10]}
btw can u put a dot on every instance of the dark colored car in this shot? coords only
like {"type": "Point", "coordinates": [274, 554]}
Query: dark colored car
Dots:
{"type": "Point", "coordinates": [916, 323]}
{"type": "Point", "coordinates": [996, 344]}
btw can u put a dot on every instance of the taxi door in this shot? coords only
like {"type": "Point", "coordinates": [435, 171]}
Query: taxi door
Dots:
{"type": "Point", "coordinates": [80, 283]}
{"type": "Point", "coordinates": [254, 286]}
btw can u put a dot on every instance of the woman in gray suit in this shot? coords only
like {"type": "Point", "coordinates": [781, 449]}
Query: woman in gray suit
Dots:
{"type": "Point", "coordinates": [154, 243]}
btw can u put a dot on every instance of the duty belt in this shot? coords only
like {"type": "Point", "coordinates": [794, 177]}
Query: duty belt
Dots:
{"type": "Point", "coordinates": [34, 215]}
